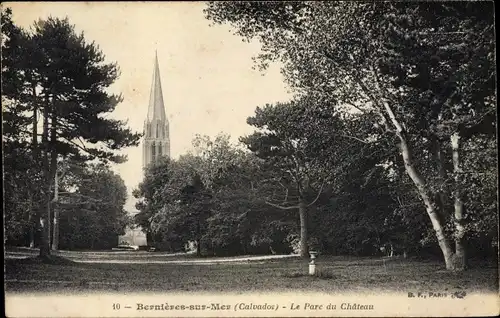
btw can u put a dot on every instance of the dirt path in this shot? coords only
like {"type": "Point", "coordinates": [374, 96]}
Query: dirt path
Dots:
{"type": "Point", "coordinates": [144, 257]}
{"type": "Point", "coordinates": [188, 261]}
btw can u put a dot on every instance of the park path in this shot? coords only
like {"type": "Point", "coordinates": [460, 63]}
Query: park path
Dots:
{"type": "Point", "coordinates": [211, 261]}
{"type": "Point", "coordinates": [127, 257]}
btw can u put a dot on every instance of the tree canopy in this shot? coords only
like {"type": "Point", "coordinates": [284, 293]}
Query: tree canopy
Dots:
{"type": "Point", "coordinates": [55, 91]}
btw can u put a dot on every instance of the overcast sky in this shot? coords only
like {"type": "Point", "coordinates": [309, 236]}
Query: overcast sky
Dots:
{"type": "Point", "coordinates": [208, 82]}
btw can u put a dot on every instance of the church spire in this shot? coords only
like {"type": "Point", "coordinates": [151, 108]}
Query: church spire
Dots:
{"type": "Point", "coordinates": [156, 109]}
{"type": "Point", "coordinates": [156, 127]}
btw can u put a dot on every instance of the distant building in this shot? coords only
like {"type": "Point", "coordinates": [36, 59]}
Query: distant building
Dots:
{"type": "Point", "coordinates": [133, 237]}
{"type": "Point", "coordinates": [156, 143]}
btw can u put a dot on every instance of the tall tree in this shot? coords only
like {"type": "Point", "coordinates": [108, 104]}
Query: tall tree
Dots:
{"type": "Point", "coordinates": [450, 87]}
{"type": "Point", "coordinates": [18, 98]}
{"type": "Point", "coordinates": [308, 149]}
{"type": "Point", "coordinates": [67, 80]}
{"type": "Point", "coordinates": [348, 52]}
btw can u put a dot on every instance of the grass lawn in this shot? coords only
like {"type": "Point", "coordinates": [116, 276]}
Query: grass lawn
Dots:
{"type": "Point", "coordinates": [337, 275]}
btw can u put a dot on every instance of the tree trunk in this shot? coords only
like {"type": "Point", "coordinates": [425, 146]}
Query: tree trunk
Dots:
{"type": "Point", "coordinates": [198, 248]}
{"type": "Point", "coordinates": [34, 143]}
{"type": "Point", "coordinates": [49, 221]}
{"type": "Point", "coordinates": [460, 257]}
{"type": "Point", "coordinates": [53, 166]}
{"type": "Point", "coordinates": [429, 201]}
{"type": "Point", "coordinates": [32, 225]}
{"type": "Point", "coordinates": [55, 232]}
{"type": "Point", "coordinates": [31, 219]}
{"type": "Point", "coordinates": [438, 157]}
{"type": "Point", "coordinates": [198, 239]}
{"type": "Point", "coordinates": [45, 226]}
{"type": "Point", "coordinates": [304, 248]}
{"type": "Point", "coordinates": [45, 215]}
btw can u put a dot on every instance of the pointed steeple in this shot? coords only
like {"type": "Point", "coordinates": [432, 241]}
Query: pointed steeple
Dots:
{"type": "Point", "coordinates": [156, 143]}
{"type": "Point", "coordinates": [156, 109]}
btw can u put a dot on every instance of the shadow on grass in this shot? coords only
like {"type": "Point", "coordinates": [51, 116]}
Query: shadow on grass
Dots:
{"type": "Point", "coordinates": [333, 274]}
{"type": "Point", "coordinates": [49, 259]}
{"type": "Point", "coordinates": [20, 265]}
{"type": "Point", "coordinates": [323, 274]}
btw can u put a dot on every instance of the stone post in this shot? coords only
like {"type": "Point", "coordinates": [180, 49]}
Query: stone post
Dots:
{"type": "Point", "coordinates": [312, 264]}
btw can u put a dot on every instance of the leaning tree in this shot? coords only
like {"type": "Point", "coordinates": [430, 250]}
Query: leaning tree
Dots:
{"type": "Point", "coordinates": [424, 72]}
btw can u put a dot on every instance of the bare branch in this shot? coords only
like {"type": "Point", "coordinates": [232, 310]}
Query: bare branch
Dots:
{"type": "Point", "coordinates": [355, 138]}
{"type": "Point", "coordinates": [77, 145]}
{"type": "Point", "coordinates": [387, 107]}
{"type": "Point", "coordinates": [399, 201]}
{"type": "Point", "coordinates": [81, 142]}
{"type": "Point", "coordinates": [282, 207]}
{"type": "Point", "coordinates": [317, 196]}
{"type": "Point", "coordinates": [355, 107]}
{"type": "Point", "coordinates": [286, 196]}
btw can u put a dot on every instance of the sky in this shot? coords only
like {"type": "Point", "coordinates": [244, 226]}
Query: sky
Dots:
{"type": "Point", "coordinates": [208, 81]}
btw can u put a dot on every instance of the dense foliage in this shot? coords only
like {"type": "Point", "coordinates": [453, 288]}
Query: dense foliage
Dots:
{"type": "Point", "coordinates": [422, 73]}
{"type": "Point", "coordinates": [54, 96]}
{"type": "Point", "coordinates": [92, 214]}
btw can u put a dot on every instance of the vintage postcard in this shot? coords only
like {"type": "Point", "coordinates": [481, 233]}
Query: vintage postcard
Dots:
{"type": "Point", "coordinates": [250, 159]}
